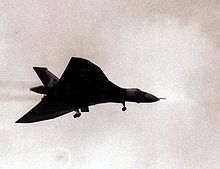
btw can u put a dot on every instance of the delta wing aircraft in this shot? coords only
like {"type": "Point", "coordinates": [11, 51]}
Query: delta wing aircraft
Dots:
{"type": "Point", "coordinates": [82, 84]}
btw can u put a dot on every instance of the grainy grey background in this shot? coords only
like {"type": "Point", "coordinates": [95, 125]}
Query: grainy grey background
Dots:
{"type": "Point", "coordinates": [168, 48]}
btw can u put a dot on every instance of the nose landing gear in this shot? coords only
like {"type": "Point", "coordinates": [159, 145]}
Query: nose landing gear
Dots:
{"type": "Point", "coordinates": [123, 108]}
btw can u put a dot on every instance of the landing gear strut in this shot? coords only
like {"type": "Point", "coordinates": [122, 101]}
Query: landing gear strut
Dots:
{"type": "Point", "coordinates": [124, 108]}
{"type": "Point", "coordinates": [77, 114]}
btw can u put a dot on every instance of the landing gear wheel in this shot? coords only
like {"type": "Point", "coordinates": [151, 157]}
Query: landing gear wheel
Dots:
{"type": "Point", "coordinates": [124, 108]}
{"type": "Point", "coordinates": [77, 115]}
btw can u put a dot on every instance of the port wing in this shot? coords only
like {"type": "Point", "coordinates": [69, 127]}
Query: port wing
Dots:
{"type": "Point", "coordinates": [45, 110]}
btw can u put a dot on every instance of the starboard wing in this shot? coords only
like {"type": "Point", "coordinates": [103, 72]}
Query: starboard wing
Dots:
{"type": "Point", "coordinates": [82, 76]}
{"type": "Point", "coordinates": [46, 109]}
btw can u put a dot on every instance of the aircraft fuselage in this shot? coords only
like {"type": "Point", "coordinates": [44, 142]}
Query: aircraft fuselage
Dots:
{"type": "Point", "coordinates": [116, 95]}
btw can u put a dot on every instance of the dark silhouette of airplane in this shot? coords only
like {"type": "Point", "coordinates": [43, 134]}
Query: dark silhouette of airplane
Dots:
{"type": "Point", "coordinates": [82, 84]}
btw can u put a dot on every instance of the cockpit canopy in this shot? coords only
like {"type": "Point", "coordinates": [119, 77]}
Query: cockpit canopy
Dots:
{"type": "Point", "coordinates": [133, 92]}
{"type": "Point", "coordinates": [136, 95]}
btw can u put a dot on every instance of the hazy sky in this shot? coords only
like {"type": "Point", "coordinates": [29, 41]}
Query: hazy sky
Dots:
{"type": "Point", "coordinates": [168, 48]}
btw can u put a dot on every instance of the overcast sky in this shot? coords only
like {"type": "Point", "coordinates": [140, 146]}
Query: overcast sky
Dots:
{"type": "Point", "coordinates": [168, 48]}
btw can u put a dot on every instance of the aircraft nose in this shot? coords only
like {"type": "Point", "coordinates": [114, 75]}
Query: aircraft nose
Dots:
{"type": "Point", "coordinates": [150, 98]}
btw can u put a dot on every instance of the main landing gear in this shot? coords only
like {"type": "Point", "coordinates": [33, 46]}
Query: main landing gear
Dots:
{"type": "Point", "coordinates": [124, 108]}
{"type": "Point", "coordinates": [77, 114]}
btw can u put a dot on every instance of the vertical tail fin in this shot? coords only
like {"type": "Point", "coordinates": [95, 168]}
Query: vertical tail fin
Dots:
{"type": "Point", "coordinates": [46, 77]}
